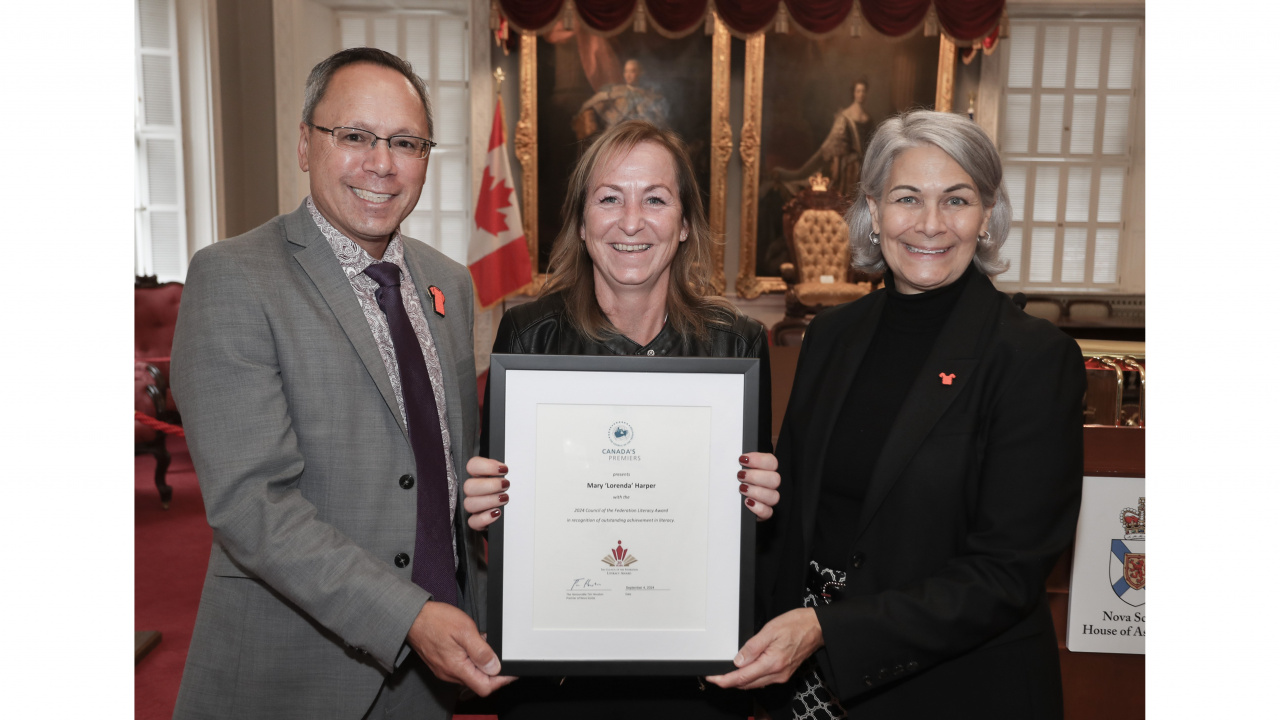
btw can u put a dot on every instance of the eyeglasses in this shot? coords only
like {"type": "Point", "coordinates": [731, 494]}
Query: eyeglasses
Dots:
{"type": "Point", "coordinates": [358, 140]}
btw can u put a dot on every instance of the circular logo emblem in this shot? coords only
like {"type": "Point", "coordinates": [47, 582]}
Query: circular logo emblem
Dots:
{"type": "Point", "coordinates": [620, 433]}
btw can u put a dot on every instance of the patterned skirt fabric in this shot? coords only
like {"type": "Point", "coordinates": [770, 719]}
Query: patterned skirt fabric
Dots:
{"type": "Point", "coordinates": [812, 699]}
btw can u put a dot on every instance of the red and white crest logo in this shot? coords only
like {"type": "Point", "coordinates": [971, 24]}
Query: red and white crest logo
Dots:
{"type": "Point", "coordinates": [619, 557]}
{"type": "Point", "coordinates": [1128, 563]}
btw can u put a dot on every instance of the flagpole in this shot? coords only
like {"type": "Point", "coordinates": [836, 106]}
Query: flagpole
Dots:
{"type": "Point", "coordinates": [498, 77]}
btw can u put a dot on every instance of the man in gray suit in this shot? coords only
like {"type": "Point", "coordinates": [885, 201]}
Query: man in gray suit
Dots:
{"type": "Point", "coordinates": [324, 368]}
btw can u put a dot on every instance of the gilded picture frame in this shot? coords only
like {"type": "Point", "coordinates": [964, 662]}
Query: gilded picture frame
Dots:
{"type": "Point", "coordinates": [821, 75]}
{"type": "Point", "coordinates": [562, 126]}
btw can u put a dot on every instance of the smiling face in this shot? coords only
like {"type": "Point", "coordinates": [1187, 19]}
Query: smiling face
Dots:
{"type": "Point", "coordinates": [365, 195]}
{"type": "Point", "coordinates": [929, 219]}
{"type": "Point", "coordinates": [633, 221]}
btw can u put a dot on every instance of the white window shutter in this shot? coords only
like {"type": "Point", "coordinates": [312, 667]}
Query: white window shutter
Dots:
{"type": "Point", "coordinates": [353, 32]}
{"type": "Point", "coordinates": [435, 43]}
{"type": "Point", "coordinates": [160, 235]}
{"type": "Point", "coordinates": [1066, 141]}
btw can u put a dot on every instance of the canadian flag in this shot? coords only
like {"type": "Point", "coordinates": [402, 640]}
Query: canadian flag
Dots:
{"type": "Point", "coordinates": [498, 256]}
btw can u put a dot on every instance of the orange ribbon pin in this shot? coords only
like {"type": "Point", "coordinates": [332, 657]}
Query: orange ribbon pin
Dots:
{"type": "Point", "coordinates": [437, 299]}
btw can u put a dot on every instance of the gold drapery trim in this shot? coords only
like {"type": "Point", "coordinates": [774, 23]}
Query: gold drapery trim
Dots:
{"type": "Point", "coordinates": [642, 20]}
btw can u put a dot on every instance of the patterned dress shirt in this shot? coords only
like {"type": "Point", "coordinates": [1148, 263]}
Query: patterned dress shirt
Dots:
{"type": "Point", "coordinates": [354, 260]}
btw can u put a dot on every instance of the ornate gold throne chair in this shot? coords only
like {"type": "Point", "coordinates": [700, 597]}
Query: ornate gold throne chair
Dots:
{"type": "Point", "coordinates": [820, 274]}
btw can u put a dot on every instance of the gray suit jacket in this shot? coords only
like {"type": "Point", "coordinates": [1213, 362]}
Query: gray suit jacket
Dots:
{"type": "Point", "coordinates": [299, 446]}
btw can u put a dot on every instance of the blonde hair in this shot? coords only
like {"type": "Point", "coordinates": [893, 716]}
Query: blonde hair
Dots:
{"type": "Point", "coordinates": [692, 303]}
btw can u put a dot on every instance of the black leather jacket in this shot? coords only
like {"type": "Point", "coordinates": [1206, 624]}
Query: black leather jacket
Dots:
{"type": "Point", "coordinates": [542, 328]}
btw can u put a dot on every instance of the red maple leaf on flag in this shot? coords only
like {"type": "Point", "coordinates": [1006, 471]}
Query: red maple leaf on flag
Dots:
{"type": "Point", "coordinates": [495, 194]}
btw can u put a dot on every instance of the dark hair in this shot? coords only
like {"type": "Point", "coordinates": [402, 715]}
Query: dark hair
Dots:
{"type": "Point", "coordinates": [322, 73]}
{"type": "Point", "coordinates": [692, 302]}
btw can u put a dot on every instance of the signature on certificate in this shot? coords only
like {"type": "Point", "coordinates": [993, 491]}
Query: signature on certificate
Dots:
{"type": "Point", "coordinates": [584, 583]}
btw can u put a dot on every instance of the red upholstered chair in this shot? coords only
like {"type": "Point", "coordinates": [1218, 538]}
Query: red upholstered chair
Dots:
{"type": "Point", "coordinates": [155, 313]}
{"type": "Point", "coordinates": [148, 399]}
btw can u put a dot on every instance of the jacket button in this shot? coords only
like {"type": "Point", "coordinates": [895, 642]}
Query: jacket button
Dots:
{"type": "Point", "coordinates": [867, 679]}
{"type": "Point", "coordinates": [912, 665]}
{"type": "Point", "coordinates": [650, 353]}
{"type": "Point", "coordinates": [898, 670]}
{"type": "Point", "coordinates": [856, 560]}
{"type": "Point", "coordinates": [406, 481]}
{"type": "Point", "coordinates": [402, 560]}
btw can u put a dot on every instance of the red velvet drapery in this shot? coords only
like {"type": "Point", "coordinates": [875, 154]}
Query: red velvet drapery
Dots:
{"type": "Point", "coordinates": [961, 19]}
{"type": "Point", "coordinates": [604, 15]}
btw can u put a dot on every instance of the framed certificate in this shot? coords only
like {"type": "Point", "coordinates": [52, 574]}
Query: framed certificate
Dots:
{"type": "Point", "coordinates": [625, 548]}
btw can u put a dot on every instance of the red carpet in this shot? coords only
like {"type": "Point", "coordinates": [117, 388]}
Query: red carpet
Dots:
{"type": "Point", "coordinates": [171, 554]}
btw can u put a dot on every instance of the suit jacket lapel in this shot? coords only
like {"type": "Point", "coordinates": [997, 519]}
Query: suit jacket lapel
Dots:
{"type": "Point", "coordinates": [321, 265]}
{"type": "Point", "coordinates": [842, 364]}
{"type": "Point", "coordinates": [956, 351]}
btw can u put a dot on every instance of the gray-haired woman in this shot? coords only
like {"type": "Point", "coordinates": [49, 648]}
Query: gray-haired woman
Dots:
{"type": "Point", "coordinates": [931, 462]}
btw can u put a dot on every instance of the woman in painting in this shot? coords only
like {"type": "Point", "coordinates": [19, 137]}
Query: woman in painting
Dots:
{"type": "Point", "coordinates": [931, 461]}
{"type": "Point", "coordinates": [840, 155]}
{"type": "Point", "coordinates": [629, 276]}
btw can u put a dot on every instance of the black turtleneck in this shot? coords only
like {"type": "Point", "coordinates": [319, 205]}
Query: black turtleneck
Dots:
{"type": "Point", "coordinates": [908, 327]}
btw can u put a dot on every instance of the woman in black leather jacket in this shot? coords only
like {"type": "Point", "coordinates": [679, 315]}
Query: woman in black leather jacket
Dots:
{"type": "Point", "coordinates": [629, 275]}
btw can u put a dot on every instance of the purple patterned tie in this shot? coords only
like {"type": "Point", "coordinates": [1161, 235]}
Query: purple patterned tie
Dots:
{"type": "Point", "coordinates": [433, 549]}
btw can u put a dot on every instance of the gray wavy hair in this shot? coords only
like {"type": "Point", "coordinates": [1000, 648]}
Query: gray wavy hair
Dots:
{"type": "Point", "coordinates": [967, 144]}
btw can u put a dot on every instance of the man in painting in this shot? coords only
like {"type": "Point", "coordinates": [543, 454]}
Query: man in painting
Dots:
{"type": "Point", "coordinates": [629, 100]}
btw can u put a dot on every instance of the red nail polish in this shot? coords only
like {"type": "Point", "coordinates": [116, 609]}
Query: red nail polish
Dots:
{"type": "Point", "coordinates": [751, 503]}
{"type": "Point", "coordinates": [506, 483]}
{"type": "Point", "coordinates": [503, 498]}
{"type": "Point", "coordinates": [496, 513]}
{"type": "Point", "coordinates": [742, 489]}
{"type": "Point", "coordinates": [502, 469]}
{"type": "Point", "coordinates": [743, 460]}
{"type": "Point", "coordinates": [742, 474]}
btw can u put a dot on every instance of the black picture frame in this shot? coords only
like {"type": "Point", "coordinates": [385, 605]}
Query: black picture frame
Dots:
{"type": "Point", "coordinates": [500, 365]}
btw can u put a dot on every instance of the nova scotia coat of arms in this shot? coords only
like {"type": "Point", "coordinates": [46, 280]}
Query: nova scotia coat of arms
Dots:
{"type": "Point", "coordinates": [1128, 569]}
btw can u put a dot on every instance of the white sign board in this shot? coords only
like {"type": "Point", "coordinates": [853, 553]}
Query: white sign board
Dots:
{"type": "Point", "coordinates": [1107, 611]}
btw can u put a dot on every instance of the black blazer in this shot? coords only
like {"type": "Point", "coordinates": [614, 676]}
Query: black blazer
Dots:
{"type": "Point", "coordinates": [973, 499]}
